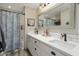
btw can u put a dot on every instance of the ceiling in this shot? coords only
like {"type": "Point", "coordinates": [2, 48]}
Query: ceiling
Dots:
{"type": "Point", "coordinates": [18, 6]}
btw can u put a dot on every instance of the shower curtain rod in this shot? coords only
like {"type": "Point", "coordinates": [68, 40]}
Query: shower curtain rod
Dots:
{"type": "Point", "coordinates": [12, 11]}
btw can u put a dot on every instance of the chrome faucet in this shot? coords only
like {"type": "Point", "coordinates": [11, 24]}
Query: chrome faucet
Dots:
{"type": "Point", "coordinates": [65, 36]}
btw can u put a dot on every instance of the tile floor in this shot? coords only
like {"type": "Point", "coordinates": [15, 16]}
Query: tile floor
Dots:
{"type": "Point", "coordinates": [17, 53]}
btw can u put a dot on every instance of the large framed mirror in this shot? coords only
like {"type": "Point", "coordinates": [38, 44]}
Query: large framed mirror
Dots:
{"type": "Point", "coordinates": [59, 17]}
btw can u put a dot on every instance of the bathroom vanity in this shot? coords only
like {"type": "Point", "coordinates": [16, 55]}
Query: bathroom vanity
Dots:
{"type": "Point", "coordinates": [39, 45]}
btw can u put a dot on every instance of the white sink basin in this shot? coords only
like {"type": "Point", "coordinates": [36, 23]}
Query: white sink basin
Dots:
{"type": "Point", "coordinates": [63, 44]}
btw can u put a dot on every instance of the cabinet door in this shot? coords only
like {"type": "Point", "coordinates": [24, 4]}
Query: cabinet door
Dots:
{"type": "Point", "coordinates": [32, 49]}
{"type": "Point", "coordinates": [31, 46]}
{"type": "Point", "coordinates": [39, 49]}
{"type": "Point", "coordinates": [41, 52]}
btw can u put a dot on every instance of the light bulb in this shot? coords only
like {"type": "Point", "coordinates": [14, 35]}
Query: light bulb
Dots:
{"type": "Point", "coordinates": [9, 7]}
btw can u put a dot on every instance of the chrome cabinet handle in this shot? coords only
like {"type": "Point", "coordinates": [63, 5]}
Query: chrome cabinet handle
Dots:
{"type": "Point", "coordinates": [35, 49]}
{"type": "Point", "coordinates": [35, 41]}
{"type": "Point", "coordinates": [53, 53]}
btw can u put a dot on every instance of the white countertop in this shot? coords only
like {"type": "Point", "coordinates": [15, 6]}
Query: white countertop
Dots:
{"type": "Point", "coordinates": [73, 52]}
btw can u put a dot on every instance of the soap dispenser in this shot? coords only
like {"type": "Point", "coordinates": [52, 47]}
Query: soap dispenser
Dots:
{"type": "Point", "coordinates": [46, 33]}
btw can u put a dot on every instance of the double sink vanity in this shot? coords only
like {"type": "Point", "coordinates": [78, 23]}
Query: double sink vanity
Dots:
{"type": "Point", "coordinates": [40, 45]}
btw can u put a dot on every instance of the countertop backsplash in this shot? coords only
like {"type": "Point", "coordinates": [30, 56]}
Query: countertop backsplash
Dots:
{"type": "Point", "coordinates": [73, 37]}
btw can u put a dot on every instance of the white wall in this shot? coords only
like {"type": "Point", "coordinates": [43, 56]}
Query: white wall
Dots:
{"type": "Point", "coordinates": [29, 13]}
{"type": "Point", "coordinates": [22, 33]}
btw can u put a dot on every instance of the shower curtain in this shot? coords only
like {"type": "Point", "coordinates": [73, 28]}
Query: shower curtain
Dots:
{"type": "Point", "coordinates": [10, 24]}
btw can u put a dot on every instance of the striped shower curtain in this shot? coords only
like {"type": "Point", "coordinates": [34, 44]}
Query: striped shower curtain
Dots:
{"type": "Point", "coordinates": [10, 24]}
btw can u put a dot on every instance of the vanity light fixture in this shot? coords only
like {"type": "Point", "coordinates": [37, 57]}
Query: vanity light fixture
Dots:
{"type": "Point", "coordinates": [9, 7]}
{"type": "Point", "coordinates": [43, 5]}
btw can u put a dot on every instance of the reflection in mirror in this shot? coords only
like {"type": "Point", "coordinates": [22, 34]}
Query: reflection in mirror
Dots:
{"type": "Point", "coordinates": [40, 23]}
{"type": "Point", "coordinates": [49, 20]}
{"type": "Point", "coordinates": [53, 20]}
